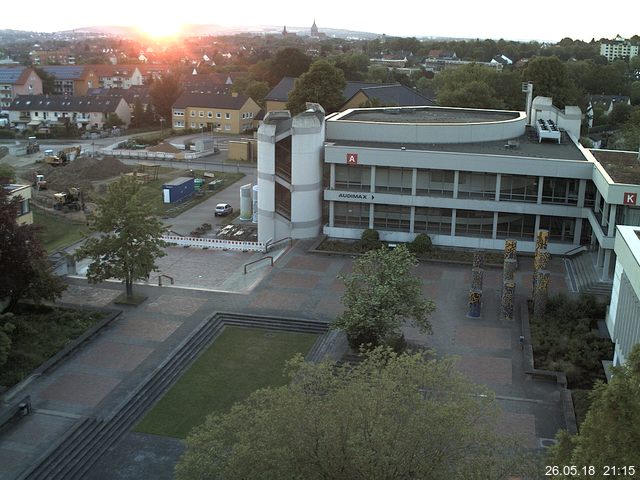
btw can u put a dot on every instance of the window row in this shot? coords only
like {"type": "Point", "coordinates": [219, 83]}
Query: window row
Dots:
{"type": "Point", "coordinates": [201, 114]}
{"type": "Point", "coordinates": [473, 223]}
{"type": "Point", "coordinates": [441, 183]}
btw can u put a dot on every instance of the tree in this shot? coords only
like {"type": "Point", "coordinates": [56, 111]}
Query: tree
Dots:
{"type": "Point", "coordinates": [130, 241]}
{"type": "Point", "coordinates": [113, 120]}
{"type": "Point", "coordinates": [354, 65]}
{"type": "Point", "coordinates": [138, 114]}
{"type": "Point", "coordinates": [23, 261]}
{"type": "Point", "coordinates": [7, 171]}
{"type": "Point", "coordinates": [390, 417]}
{"type": "Point", "coordinates": [609, 435]}
{"type": "Point", "coordinates": [48, 81]}
{"type": "Point", "coordinates": [380, 295]}
{"type": "Point", "coordinates": [164, 93]}
{"type": "Point", "coordinates": [289, 62]}
{"type": "Point", "coordinates": [550, 79]}
{"type": "Point", "coordinates": [323, 84]}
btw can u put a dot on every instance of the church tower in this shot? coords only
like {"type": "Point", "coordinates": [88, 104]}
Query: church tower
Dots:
{"type": "Point", "coordinates": [314, 29]}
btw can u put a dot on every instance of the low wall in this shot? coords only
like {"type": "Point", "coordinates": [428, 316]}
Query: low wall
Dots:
{"type": "Point", "coordinates": [216, 243]}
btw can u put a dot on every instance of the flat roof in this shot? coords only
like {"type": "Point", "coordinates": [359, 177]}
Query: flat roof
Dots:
{"type": "Point", "coordinates": [523, 146]}
{"type": "Point", "coordinates": [622, 167]}
{"type": "Point", "coordinates": [428, 115]}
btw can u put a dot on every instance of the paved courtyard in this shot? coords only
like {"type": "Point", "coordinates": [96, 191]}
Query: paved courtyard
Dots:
{"type": "Point", "coordinates": [93, 381]}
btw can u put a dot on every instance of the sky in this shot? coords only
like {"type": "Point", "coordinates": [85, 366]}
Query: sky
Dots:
{"type": "Point", "coordinates": [509, 19]}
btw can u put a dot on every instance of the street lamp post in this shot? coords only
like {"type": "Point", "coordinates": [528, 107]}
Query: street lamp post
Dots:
{"type": "Point", "coordinates": [161, 125]}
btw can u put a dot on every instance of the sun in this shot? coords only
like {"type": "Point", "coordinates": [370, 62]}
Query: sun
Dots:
{"type": "Point", "coordinates": [160, 28]}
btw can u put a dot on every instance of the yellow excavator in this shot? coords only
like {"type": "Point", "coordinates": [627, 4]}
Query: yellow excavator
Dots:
{"type": "Point", "coordinates": [71, 199]}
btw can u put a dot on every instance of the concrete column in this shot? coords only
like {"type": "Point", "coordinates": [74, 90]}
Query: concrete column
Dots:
{"type": "Point", "coordinates": [412, 218]}
{"type": "Point", "coordinates": [596, 205]}
{"type": "Point", "coordinates": [414, 182]}
{"type": "Point", "coordinates": [605, 215]}
{"type": "Point", "coordinates": [612, 220]}
{"type": "Point", "coordinates": [600, 257]}
{"type": "Point", "coordinates": [536, 226]}
{"type": "Point", "coordinates": [582, 190]}
{"type": "Point", "coordinates": [606, 266]}
{"type": "Point", "coordinates": [331, 213]}
{"type": "Point", "coordinates": [494, 232]}
{"type": "Point", "coordinates": [577, 234]}
{"type": "Point", "coordinates": [456, 182]}
{"type": "Point", "coordinates": [373, 179]}
{"type": "Point", "coordinates": [498, 181]}
{"type": "Point", "coordinates": [371, 214]}
{"type": "Point", "coordinates": [453, 222]}
{"type": "Point", "coordinates": [332, 177]}
{"type": "Point", "coordinates": [540, 187]}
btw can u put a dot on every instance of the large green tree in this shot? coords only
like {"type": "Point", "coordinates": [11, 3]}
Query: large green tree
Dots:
{"type": "Point", "coordinates": [391, 417]}
{"type": "Point", "coordinates": [129, 237]}
{"type": "Point", "coordinates": [23, 261]}
{"type": "Point", "coordinates": [164, 93]}
{"type": "Point", "coordinates": [323, 84]}
{"type": "Point", "coordinates": [289, 62]}
{"type": "Point", "coordinates": [551, 79]}
{"type": "Point", "coordinates": [381, 294]}
{"type": "Point", "coordinates": [609, 436]}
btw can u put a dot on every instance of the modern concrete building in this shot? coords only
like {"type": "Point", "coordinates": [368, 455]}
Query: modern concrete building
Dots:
{"type": "Point", "coordinates": [467, 177]}
{"type": "Point", "coordinates": [623, 316]}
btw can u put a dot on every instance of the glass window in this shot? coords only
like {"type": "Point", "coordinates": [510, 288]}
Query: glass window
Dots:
{"type": "Point", "coordinates": [560, 228]}
{"type": "Point", "coordinates": [560, 190]}
{"type": "Point", "coordinates": [227, 116]}
{"type": "Point", "coordinates": [433, 221]}
{"type": "Point", "coordinates": [519, 188]}
{"type": "Point", "coordinates": [477, 185]}
{"type": "Point", "coordinates": [516, 225]}
{"type": "Point", "coordinates": [210, 114]}
{"type": "Point", "coordinates": [437, 183]}
{"type": "Point", "coordinates": [193, 113]}
{"type": "Point", "coordinates": [391, 217]}
{"type": "Point", "coordinates": [350, 214]}
{"type": "Point", "coordinates": [218, 115]}
{"type": "Point", "coordinates": [474, 223]}
{"type": "Point", "coordinates": [356, 177]}
{"type": "Point", "coordinates": [201, 114]}
{"type": "Point", "coordinates": [590, 194]}
{"type": "Point", "coordinates": [391, 179]}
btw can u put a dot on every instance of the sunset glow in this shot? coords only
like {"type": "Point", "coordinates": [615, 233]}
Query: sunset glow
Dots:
{"type": "Point", "coordinates": [160, 28]}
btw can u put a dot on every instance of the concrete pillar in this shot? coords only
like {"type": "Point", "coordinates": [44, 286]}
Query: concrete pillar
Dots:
{"type": "Point", "coordinates": [414, 182]}
{"type": "Point", "coordinates": [498, 182]}
{"type": "Point", "coordinates": [605, 215]}
{"type": "Point", "coordinates": [332, 210]}
{"type": "Point", "coordinates": [453, 222]}
{"type": "Point", "coordinates": [600, 257]}
{"type": "Point", "coordinates": [596, 205]}
{"type": "Point", "coordinates": [494, 232]}
{"type": "Point", "coordinates": [412, 219]}
{"type": "Point", "coordinates": [612, 220]}
{"type": "Point", "coordinates": [332, 176]}
{"type": "Point", "coordinates": [540, 188]}
{"type": "Point", "coordinates": [371, 214]}
{"type": "Point", "coordinates": [577, 234]}
{"type": "Point", "coordinates": [507, 300]}
{"type": "Point", "coordinates": [373, 180]}
{"type": "Point", "coordinates": [582, 190]}
{"type": "Point", "coordinates": [536, 227]}
{"type": "Point", "coordinates": [456, 182]}
{"type": "Point", "coordinates": [606, 266]}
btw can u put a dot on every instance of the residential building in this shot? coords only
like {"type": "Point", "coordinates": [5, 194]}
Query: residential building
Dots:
{"type": "Point", "coordinates": [355, 94]}
{"type": "Point", "coordinates": [388, 95]}
{"type": "Point", "coordinates": [623, 314]}
{"type": "Point", "coordinates": [467, 177]}
{"type": "Point", "coordinates": [117, 76]}
{"type": "Point", "coordinates": [86, 112]}
{"type": "Point", "coordinates": [71, 79]}
{"type": "Point", "coordinates": [16, 81]}
{"type": "Point", "coordinates": [619, 48]}
{"type": "Point", "coordinates": [216, 112]}
{"type": "Point", "coordinates": [25, 215]}
{"type": "Point", "coordinates": [607, 102]}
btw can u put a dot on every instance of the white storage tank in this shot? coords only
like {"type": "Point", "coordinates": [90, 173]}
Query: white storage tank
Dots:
{"type": "Point", "coordinates": [245, 202]}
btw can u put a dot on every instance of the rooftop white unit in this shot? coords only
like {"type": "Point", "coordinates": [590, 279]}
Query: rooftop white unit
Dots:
{"type": "Point", "coordinates": [547, 129]}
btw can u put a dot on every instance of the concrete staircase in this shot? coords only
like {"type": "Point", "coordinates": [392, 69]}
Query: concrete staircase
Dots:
{"type": "Point", "coordinates": [584, 276]}
{"type": "Point", "coordinates": [74, 454]}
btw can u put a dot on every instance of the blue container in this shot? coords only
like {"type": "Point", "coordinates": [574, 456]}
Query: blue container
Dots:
{"type": "Point", "coordinates": [177, 190]}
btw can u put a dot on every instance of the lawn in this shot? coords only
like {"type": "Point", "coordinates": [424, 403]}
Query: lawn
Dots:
{"type": "Point", "coordinates": [152, 193]}
{"type": "Point", "coordinates": [240, 361]}
{"type": "Point", "coordinates": [58, 231]}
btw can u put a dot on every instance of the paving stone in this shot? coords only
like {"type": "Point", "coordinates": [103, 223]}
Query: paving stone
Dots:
{"type": "Point", "coordinates": [183, 306]}
{"type": "Point", "coordinates": [80, 388]}
{"type": "Point", "coordinates": [147, 328]}
{"type": "Point", "coordinates": [483, 337]}
{"type": "Point", "coordinates": [117, 356]}
{"type": "Point", "coordinates": [487, 370]}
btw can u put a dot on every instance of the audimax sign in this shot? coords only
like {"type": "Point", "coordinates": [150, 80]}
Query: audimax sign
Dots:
{"type": "Point", "coordinates": [356, 196]}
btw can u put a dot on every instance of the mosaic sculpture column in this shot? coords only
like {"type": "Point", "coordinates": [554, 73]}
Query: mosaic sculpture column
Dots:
{"type": "Point", "coordinates": [541, 294]}
{"type": "Point", "coordinates": [507, 301]}
{"type": "Point", "coordinates": [475, 303]}
{"type": "Point", "coordinates": [508, 279]}
{"type": "Point", "coordinates": [478, 259]}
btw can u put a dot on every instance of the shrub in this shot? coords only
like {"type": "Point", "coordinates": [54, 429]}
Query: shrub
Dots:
{"type": "Point", "coordinates": [421, 244]}
{"type": "Point", "coordinates": [370, 240]}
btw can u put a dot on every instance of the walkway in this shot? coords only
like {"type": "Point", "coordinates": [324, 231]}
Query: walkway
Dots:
{"type": "Point", "coordinates": [94, 380]}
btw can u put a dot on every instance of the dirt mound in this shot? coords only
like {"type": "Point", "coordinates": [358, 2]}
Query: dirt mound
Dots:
{"type": "Point", "coordinates": [82, 172]}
